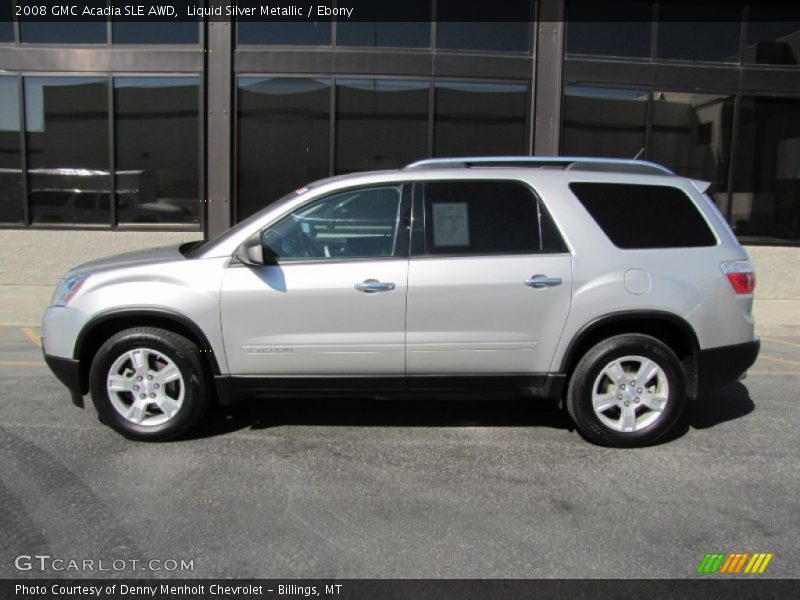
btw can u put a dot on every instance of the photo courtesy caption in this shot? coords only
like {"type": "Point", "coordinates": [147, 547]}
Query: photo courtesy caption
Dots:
{"type": "Point", "coordinates": [66, 589]}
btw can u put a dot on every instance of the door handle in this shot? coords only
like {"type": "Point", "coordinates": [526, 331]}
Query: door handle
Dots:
{"type": "Point", "coordinates": [543, 281]}
{"type": "Point", "coordinates": [371, 286]}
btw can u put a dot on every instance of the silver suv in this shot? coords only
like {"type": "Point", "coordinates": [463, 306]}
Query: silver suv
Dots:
{"type": "Point", "coordinates": [613, 286]}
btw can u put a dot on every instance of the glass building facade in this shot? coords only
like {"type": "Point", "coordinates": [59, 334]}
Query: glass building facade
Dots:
{"type": "Point", "coordinates": [193, 126]}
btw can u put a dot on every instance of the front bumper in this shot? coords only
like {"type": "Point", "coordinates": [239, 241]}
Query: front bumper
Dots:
{"type": "Point", "coordinates": [717, 367]}
{"type": "Point", "coordinates": [68, 372]}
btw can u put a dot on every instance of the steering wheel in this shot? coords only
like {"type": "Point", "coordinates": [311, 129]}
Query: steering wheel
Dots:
{"type": "Point", "coordinates": [306, 246]}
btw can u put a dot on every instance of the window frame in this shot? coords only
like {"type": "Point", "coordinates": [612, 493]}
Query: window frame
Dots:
{"type": "Point", "coordinates": [420, 226]}
{"type": "Point", "coordinates": [403, 223]}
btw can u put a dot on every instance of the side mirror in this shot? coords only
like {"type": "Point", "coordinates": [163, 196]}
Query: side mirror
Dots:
{"type": "Point", "coordinates": [251, 252]}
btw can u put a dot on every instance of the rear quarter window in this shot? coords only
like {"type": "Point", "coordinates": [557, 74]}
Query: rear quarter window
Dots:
{"type": "Point", "coordinates": [645, 216]}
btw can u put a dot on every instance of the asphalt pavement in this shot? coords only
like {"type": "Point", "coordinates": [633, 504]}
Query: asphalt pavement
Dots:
{"type": "Point", "coordinates": [396, 489]}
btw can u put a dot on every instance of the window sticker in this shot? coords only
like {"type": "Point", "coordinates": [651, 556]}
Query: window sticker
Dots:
{"type": "Point", "coordinates": [450, 224]}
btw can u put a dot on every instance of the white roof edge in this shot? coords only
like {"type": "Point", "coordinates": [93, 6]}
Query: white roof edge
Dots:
{"type": "Point", "coordinates": [700, 185]}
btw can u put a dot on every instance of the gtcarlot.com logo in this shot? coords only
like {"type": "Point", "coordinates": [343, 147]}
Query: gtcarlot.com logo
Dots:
{"type": "Point", "coordinates": [45, 562]}
{"type": "Point", "coordinates": [734, 563]}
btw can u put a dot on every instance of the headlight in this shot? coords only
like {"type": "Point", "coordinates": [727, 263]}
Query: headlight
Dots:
{"type": "Point", "coordinates": [67, 289]}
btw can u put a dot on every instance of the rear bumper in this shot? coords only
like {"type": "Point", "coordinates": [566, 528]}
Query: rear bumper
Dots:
{"type": "Point", "coordinates": [68, 372]}
{"type": "Point", "coordinates": [717, 367]}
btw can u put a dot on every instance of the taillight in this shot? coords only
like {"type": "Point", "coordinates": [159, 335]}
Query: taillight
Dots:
{"type": "Point", "coordinates": [741, 275]}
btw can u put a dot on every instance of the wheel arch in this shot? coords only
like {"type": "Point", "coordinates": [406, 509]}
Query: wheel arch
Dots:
{"type": "Point", "coordinates": [102, 326]}
{"type": "Point", "coordinates": [667, 327]}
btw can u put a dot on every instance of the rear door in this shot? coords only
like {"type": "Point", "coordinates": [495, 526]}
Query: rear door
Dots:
{"type": "Point", "coordinates": [490, 281]}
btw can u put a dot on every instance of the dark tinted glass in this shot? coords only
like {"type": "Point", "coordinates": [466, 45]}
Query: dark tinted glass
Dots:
{"type": "Point", "coordinates": [285, 33]}
{"type": "Point", "coordinates": [359, 223]}
{"type": "Point", "coordinates": [480, 217]}
{"type": "Point", "coordinates": [712, 35]}
{"type": "Point", "coordinates": [33, 30]}
{"type": "Point", "coordinates": [155, 32]}
{"type": "Point", "coordinates": [591, 28]}
{"type": "Point", "coordinates": [410, 26]}
{"type": "Point", "coordinates": [766, 193]}
{"type": "Point", "coordinates": [692, 136]}
{"type": "Point", "coordinates": [283, 133]}
{"type": "Point", "coordinates": [773, 34]}
{"type": "Point", "coordinates": [509, 35]}
{"type": "Point", "coordinates": [157, 150]}
{"type": "Point", "coordinates": [665, 217]}
{"type": "Point", "coordinates": [66, 129]}
{"type": "Point", "coordinates": [6, 21]}
{"type": "Point", "coordinates": [377, 34]}
{"type": "Point", "coordinates": [479, 119]}
{"type": "Point", "coordinates": [10, 164]}
{"type": "Point", "coordinates": [380, 124]}
{"type": "Point", "coordinates": [496, 37]}
{"type": "Point", "coordinates": [603, 122]}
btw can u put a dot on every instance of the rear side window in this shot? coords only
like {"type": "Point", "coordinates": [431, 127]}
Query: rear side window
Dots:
{"type": "Point", "coordinates": [644, 216]}
{"type": "Point", "coordinates": [486, 217]}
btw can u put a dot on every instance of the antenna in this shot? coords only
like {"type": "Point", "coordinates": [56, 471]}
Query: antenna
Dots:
{"type": "Point", "coordinates": [639, 153]}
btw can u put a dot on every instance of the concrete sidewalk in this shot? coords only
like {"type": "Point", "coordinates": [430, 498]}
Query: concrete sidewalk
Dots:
{"type": "Point", "coordinates": [24, 305]}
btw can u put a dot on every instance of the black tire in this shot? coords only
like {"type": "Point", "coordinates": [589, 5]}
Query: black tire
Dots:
{"type": "Point", "coordinates": [589, 369]}
{"type": "Point", "coordinates": [186, 357]}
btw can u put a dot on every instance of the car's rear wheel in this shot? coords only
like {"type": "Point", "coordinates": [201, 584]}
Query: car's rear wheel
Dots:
{"type": "Point", "coordinates": [149, 384]}
{"type": "Point", "coordinates": [628, 390]}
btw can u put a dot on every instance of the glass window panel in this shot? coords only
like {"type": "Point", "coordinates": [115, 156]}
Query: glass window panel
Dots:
{"type": "Point", "coordinates": [380, 124]}
{"type": "Point", "coordinates": [473, 118]}
{"type": "Point", "coordinates": [283, 138]}
{"type": "Point", "coordinates": [773, 34]}
{"type": "Point", "coordinates": [6, 21]}
{"type": "Point", "coordinates": [384, 34]}
{"type": "Point", "coordinates": [66, 132]}
{"type": "Point", "coordinates": [712, 36]}
{"type": "Point", "coordinates": [359, 224]}
{"type": "Point", "coordinates": [480, 217]}
{"type": "Point", "coordinates": [157, 150]}
{"type": "Point", "coordinates": [316, 33]}
{"type": "Point", "coordinates": [692, 136]}
{"type": "Point", "coordinates": [455, 30]}
{"type": "Point", "coordinates": [410, 26]}
{"type": "Point", "coordinates": [603, 121]}
{"type": "Point", "coordinates": [766, 192]}
{"type": "Point", "coordinates": [155, 32]}
{"type": "Point", "coordinates": [92, 30]}
{"type": "Point", "coordinates": [11, 210]}
{"type": "Point", "coordinates": [679, 223]}
{"type": "Point", "coordinates": [592, 28]}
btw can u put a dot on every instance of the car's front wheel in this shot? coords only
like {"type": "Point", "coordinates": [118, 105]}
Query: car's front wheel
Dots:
{"type": "Point", "coordinates": [628, 390]}
{"type": "Point", "coordinates": [149, 384]}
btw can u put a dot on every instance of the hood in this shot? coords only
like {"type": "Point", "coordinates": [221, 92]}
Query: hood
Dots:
{"type": "Point", "coordinates": [150, 256]}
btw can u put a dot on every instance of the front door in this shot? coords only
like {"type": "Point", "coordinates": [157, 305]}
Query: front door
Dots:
{"type": "Point", "coordinates": [334, 302]}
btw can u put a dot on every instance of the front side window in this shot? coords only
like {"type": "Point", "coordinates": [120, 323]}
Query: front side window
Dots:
{"type": "Point", "coordinates": [471, 218]}
{"type": "Point", "coordinates": [360, 223]}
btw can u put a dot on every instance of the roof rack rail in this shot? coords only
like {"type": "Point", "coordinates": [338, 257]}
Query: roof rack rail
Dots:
{"type": "Point", "coordinates": [568, 163]}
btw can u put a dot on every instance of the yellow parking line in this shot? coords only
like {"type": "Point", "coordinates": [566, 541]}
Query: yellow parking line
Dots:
{"type": "Point", "coordinates": [21, 363]}
{"type": "Point", "coordinates": [785, 361]}
{"type": "Point", "coordinates": [784, 342]}
{"type": "Point", "coordinates": [31, 335]}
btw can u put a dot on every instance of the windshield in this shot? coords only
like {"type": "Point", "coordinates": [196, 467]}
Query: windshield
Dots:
{"type": "Point", "coordinates": [195, 251]}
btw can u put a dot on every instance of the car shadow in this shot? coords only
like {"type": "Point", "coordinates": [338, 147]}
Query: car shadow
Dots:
{"type": "Point", "coordinates": [255, 414]}
{"type": "Point", "coordinates": [726, 404]}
